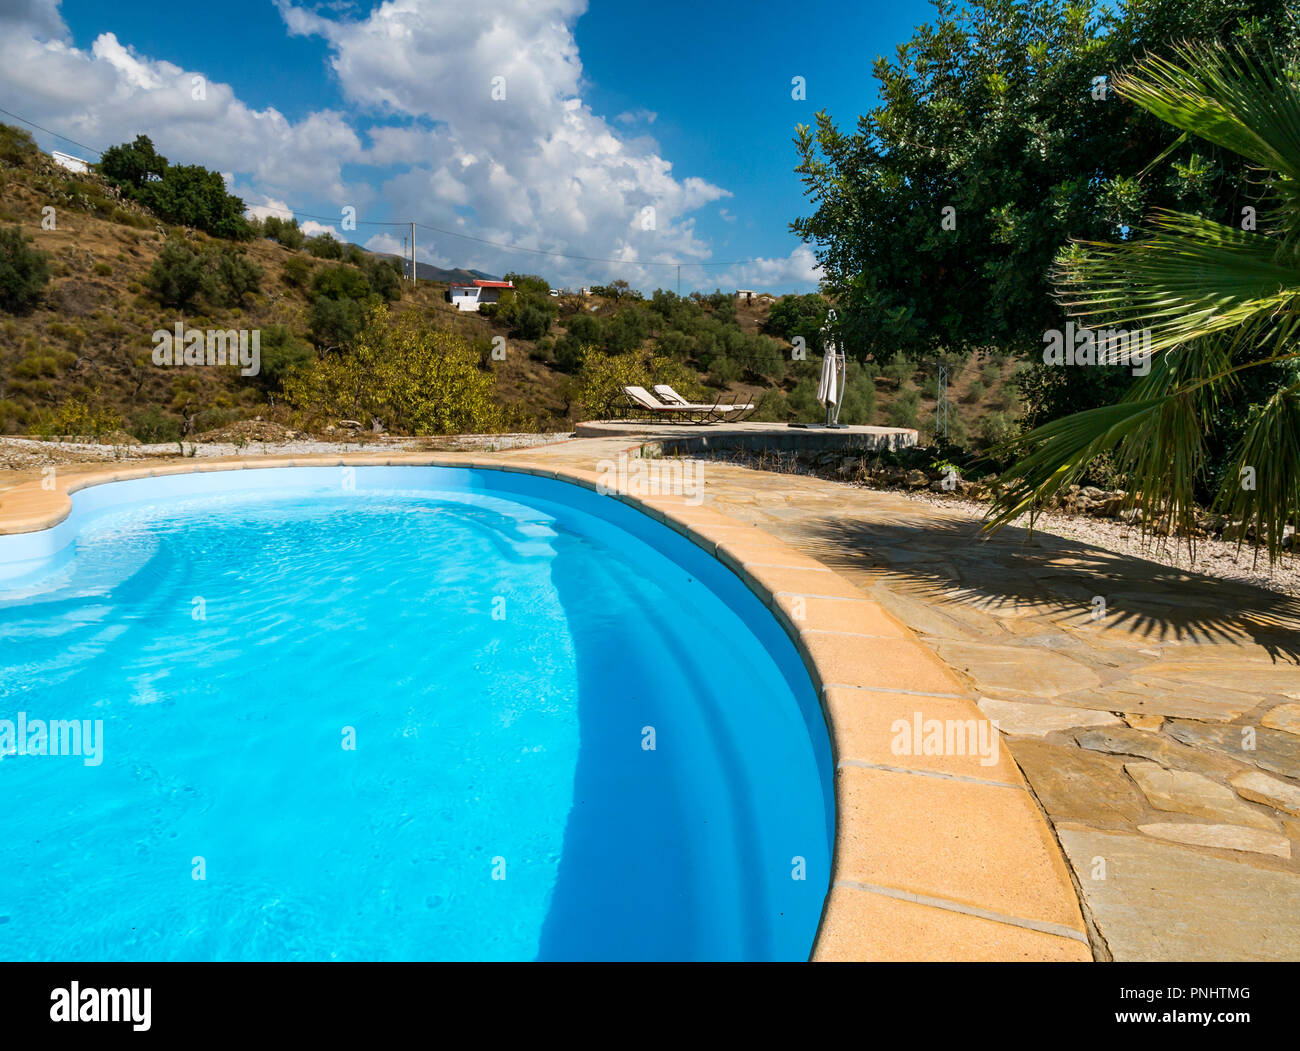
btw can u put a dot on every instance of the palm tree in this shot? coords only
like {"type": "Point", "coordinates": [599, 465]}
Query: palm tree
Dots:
{"type": "Point", "coordinates": [1217, 300]}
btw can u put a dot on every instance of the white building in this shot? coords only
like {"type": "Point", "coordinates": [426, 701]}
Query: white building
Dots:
{"type": "Point", "coordinates": [473, 296]}
{"type": "Point", "coordinates": [73, 164]}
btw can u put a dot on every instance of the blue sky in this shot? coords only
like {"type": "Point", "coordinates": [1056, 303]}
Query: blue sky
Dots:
{"type": "Point", "coordinates": [634, 131]}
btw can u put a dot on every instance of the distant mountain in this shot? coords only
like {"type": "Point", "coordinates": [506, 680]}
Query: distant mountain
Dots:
{"type": "Point", "coordinates": [429, 272]}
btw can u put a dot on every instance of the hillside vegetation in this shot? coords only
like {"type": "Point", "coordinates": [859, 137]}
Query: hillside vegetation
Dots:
{"type": "Point", "coordinates": [84, 287]}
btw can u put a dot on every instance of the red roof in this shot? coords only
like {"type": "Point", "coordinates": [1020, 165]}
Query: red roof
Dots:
{"type": "Point", "coordinates": [494, 284]}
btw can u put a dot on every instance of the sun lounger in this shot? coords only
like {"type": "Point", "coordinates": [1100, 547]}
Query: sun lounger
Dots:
{"type": "Point", "coordinates": [733, 411]}
{"type": "Point", "coordinates": [638, 399]}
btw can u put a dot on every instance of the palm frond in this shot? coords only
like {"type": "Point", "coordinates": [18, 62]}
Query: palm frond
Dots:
{"type": "Point", "coordinates": [1243, 102]}
{"type": "Point", "coordinates": [1055, 454]}
{"type": "Point", "coordinates": [1264, 486]}
{"type": "Point", "coordinates": [1191, 279]}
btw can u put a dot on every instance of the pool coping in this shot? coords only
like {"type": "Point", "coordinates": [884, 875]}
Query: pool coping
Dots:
{"type": "Point", "coordinates": [936, 857]}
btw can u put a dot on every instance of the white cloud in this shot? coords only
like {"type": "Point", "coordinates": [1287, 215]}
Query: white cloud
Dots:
{"type": "Point", "coordinates": [538, 167]}
{"type": "Point", "coordinates": [637, 116]}
{"type": "Point", "coordinates": [110, 93]}
{"type": "Point", "coordinates": [797, 270]}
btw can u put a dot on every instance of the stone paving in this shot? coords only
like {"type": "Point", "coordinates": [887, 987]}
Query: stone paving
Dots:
{"type": "Point", "coordinates": [1155, 713]}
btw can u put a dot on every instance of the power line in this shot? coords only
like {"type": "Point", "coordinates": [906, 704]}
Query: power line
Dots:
{"type": "Point", "coordinates": [47, 131]}
{"type": "Point", "coordinates": [296, 213]}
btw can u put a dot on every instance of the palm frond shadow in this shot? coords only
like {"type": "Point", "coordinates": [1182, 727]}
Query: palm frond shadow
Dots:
{"type": "Point", "coordinates": [950, 560]}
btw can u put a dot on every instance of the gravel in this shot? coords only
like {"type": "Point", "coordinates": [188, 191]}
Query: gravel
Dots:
{"type": "Point", "coordinates": [25, 454]}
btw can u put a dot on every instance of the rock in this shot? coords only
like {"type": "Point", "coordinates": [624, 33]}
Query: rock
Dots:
{"type": "Point", "coordinates": [916, 479]}
{"type": "Point", "coordinates": [1274, 750]}
{"type": "Point", "coordinates": [1181, 792]}
{"type": "Point", "coordinates": [1156, 747]}
{"type": "Point", "coordinates": [1284, 717]}
{"type": "Point", "coordinates": [1225, 837]}
{"type": "Point", "coordinates": [1151, 723]}
{"type": "Point", "coordinates": [1037, 720]}
{"type": "Point", "coordinates": [351, 425]}
{"type": "Point", "coordinates": [1260, 788]}
{"type": "Point", "coordinates": [1074, 785]}
{"type": "Point", "coordinates": [1018, 670]}
{"type": "Point", "coordinates": [1158, 902]}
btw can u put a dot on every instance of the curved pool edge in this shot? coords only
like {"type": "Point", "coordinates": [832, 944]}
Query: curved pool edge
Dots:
{"type": "Point", "coordinates": [935, 857]}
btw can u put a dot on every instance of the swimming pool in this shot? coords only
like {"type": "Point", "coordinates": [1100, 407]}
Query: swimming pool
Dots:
{"type": "Point", "coordinates": [400, 713]}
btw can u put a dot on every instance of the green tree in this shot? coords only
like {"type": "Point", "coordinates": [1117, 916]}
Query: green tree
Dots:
{"type": "Point", "coordinates": [282, 355]}
{"type": "Point", "coordinates": [194, 196]}
{"type": "Point", "coordinates": [24, 272]}
{"type": "Point", "coordinates": [792, 316]}
{"type": "Point", "coordinates": [132, 165]}
{"type": "Point", "coordinates": [177, 275]}
{"type": "Point", "coordinates": [995, 141]}
{"type": "Point", "coordinates": [1221, 302]}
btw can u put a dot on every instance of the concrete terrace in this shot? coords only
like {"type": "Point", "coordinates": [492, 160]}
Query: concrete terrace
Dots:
{"type": "Point", "coordinates": [1143, 805]}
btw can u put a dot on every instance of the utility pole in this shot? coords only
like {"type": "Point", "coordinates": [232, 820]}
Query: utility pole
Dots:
{"type": "Point", "coordinates": [679, 280]}
{"type": "Point", "coordinates": [403, 251]}
{"type": "Point", "coordinates": [412, 251]}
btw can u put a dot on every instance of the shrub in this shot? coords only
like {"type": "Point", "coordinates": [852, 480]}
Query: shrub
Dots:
{"type": "Point", "coordinates": [723, 371]}
{"type": "Point", "coordinates": [154, 427]}
{"type": "Point", "coordinates": [16, 145]}
{"type": "Point", "coordinates": [282, 355]}
{"type": "Point", "coordinates": [765, 359]}
{"type": "Point", "coordinates": [233, 275]}
{"type": "Point", "coordinates": [602, 376]}
{"type": "Point", "coordinates": [296, 271]}
{"type": "Point", "coordinates": [80, 420]}
{"type": "Point", "coordinates": [530, 322]}
{"type": "Point", "coordinates": [974, 392]}
{"type": "Point", "coordinates": [411, 378]}
{"type": "Point", "coordinates": [996, 429]}
{"type": "Point", "coordinates": [900, 369]}
{"type": "Point", "coordinates": [341, 282]}
{"type": "Point", "coordinates": [324, 246]}
{"type": "Point", "coordinates": [24, 272]}
{"type": "Point", "coordinates": [383, 275]}
{"type": "Point", "coordinates": [177, 275]}
{"type": "Point", "coordinates": [283, 231]}
{"type": "Point", "coordinates": [793, 316]}
{"type": "Point", "coordinates": [859, 398]}
{"type": "Point", "coordinates": [335, 322]}
{"type": "Point", "coordinates": [903, 409]}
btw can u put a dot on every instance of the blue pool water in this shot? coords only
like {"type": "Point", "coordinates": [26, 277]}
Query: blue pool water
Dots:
{"type": "Point", "coordinates": [500, 650]}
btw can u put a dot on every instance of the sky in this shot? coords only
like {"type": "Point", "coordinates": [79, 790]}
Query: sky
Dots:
{"type": "Point", "coordinates": [624, 137]}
